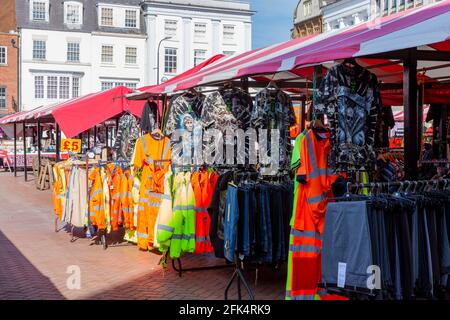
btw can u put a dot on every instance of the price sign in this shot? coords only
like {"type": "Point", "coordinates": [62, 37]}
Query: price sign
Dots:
{"type": "Point", "coordinates": [73, 145]}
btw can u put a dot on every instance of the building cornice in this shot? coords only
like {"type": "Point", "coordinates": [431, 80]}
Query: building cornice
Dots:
{"type": "Point", "coordinates": [164, 5]}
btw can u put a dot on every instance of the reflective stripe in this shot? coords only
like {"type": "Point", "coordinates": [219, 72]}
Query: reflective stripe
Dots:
{"type": "Point", "coordinates": [202, 239]}
{"type": "Point", "coordinates": [306, 234]}
{"type": "Point", "coordinates": [116, 196]}
{"type": "Point", "coordinates": [316, 199]}
{"type": "Point", "coordinates": [96, 192]}
{"type": "Point", "coordinates": [92, 214]}
{"type": "Point", "coordinates": [154, 204]}
{"type": "Point", "coordinates": [99, 207]}
{"type": "Point", "coordinates": [321, 172]}
{"type": "Point", "coordinates": [116, 211]}
{"type": "Point", "coordinates": [141, 208]}
{"type": "Point", "coordinates": [142, 235]}
{"type": "Point", "coordinates": [176, 237]}
{"type": "Point", "coordinates": [125, 210]}
{"type": "Point", "coordinates": [144, 144]}
{"type": "Point", "coordinates": [201, 209]}
{"type": "Point", "coordinates": [143, 200]}
{"type": "Point", "coordinates": [304, 248]}
{"type": "Point", "coordinates": [158, 195]}
{"type": "Point", "coordinates": [184, 208]}
{"type": "Point", "coordinates": [311, 153]}
{"type": "Point", "coordinates": [305, 297]}
{"type": "Point", "coordinates": [166, 147]}
{"type": "Point", "coordinates": [60, 197]}
{"type": "Point", "coordinates": [136, 186]}
{"type": "Point", "coordinates": [188, 237]}
{"type": "Point", "coordinates": [165, 228]}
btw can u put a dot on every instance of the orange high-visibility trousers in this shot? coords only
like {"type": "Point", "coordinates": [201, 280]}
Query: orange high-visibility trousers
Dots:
{"type": "Point", "coordinates": [96, 200]}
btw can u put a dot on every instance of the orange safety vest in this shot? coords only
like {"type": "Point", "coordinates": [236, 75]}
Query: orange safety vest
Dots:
{"type": "Point", "coordinates": [147, 155]}
{"type": "Point", "coordinates": [316, 179]}
{"type": "Point", "coordinates": [203, 184]}
{"type": "Point", "coordinates": [58, 192]}
{"type": "Point", "coordinates": [97, 201]}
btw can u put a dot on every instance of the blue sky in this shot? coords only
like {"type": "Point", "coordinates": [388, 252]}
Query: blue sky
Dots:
{"type": "Point", "coordinates": [272, 22]}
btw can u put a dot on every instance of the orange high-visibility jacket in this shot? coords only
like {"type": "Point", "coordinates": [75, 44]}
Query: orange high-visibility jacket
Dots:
{"type": "Point", "coordinates": [59, 190]}
{"type": "Point", "coordinates": [126, 197]}
{"type": "Point", "coordinates": [114, 173]}
{"type": "Point", "coordinates": [203, 184]}
{"type": "Point", "coordinates": [148, 152]}
{"type": "Point", "coordinates": [315, 179]}
{"type": "Point", "coordinates": [96, 200]}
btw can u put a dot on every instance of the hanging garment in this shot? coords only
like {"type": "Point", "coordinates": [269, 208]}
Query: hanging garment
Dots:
{"type": "Point", "coordinates": [240, 104]}
{"type": "Point", "coordinates": [126, 188]}
{"type": "Point", "coordinates": [274, 110]}
{"type": "Point", "coordinates": [183, 220]}
{"type": "Point", "coordinates": [148, 117]}
{"type": "Point", "coordinates": [106, 198]}
{"type": "Point", "coordinates": [127, 133]}
{"type": "Point", "coordinates": [216, 212]}
{"type": "Point", "coordinates": [59, 190]}
{"type": "Point", "coordinates": [97, 200]}
{"type": "Point", "coordinates": [315, 180]}
{"type": "Point", "coordinates": [351, 100]}
{"type": "Point", "coordinates": [115, 173]}
{"type": "Point", "coordinates": [164, 225]}
{"type": "Point", "coordinates": [148, 155]}
{"type": "Point", "coordinates": [76, 201]}
{"type": "Point", "coordinates": [203, 184]}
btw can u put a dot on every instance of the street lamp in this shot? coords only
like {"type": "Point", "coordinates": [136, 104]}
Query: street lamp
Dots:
{"type": "Point", "coordinates": [157, 67]}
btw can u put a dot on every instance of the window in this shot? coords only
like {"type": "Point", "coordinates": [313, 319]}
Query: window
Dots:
{"type": "Point", "coordinates": [73, 51]}
{"type": "Point", "coordinates": [75, 87]}
{"type": "Point", "coordinates": [170, 60]}
{"type": "Point", "coordinates": [199, 56]}
{"type": "Point", "coordinates": [228, 53]}
{"type": "Point", "coordinates": [73, 12]}
{"type": "Point", "coordinates": [52, 87]}
{"type": "Point", "coordinates": [107, 54]}
{"type": "Point", "coordinates": [107, 85]}
{"type": "Point", "coordinates": [130, 19]}
{"type": "Point", "coordinates": [107, 17]}
{"type": "Point", "coordinates": [394, 4]}
{"type": "Point", "coordinates": [228, 32]}
{"type": "Point", "coordinates": [307, 8]}
{"type": "Point", "coordinates": [131, 55]}
{"type": "Point", "coordinates": [131, 85]}
{"type": "Point", "coordinates": [2, 97]}
{"type": "Point", "coordinates": [64, 87]}
{"type": "Point", "coordinates": [39, 49]}
{"type": "Point", "coordinates": [3, 55]}
{"type": "Point", "coordinates": [170, 28]}
{"type": "Point", "coordinates": [39, 10]}
{"type": "Point", "coordinates": [39, 87]}
{"type": "Point", "coordinates": [200, 30]}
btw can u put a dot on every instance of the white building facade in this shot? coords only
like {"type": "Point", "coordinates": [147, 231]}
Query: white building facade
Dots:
{"type": "Point", "coordinates": [73, 48]}
{"type": "Point", "coordinates": [345, 13]}
{"type": "Point", "coordinates": [188, 32]}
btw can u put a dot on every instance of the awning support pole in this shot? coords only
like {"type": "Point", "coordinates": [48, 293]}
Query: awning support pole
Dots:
{"type": "Point", "coordinates": [24, 134]}
{"type": "Point", "coordinates": [15, 149]}
{"type": "Point", "coordinates": [39, 146]}
{"type": "Point", "coordinates": [58, 143]}
{"type": "Point", "coordinates": [410, 108]}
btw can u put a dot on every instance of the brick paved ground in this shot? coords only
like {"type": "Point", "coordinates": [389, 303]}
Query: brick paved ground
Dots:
{"type": "Point", "coordinates": [34, 260]}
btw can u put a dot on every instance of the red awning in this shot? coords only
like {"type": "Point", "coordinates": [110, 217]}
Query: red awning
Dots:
{"type": "Point", "coordinates": [80, 114]}
{"type": "Point", "coordinates": [426, 28]}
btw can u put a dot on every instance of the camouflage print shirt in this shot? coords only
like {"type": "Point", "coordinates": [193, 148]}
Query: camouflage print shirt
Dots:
{"type": "Point", "coordinates": [274, 110]}
{"type": "Point", "coordinates": [240, 104]}
{"type": "Point", "coordinates": [350, 98]}
{"type": "Point", "coordinates": [127, 134]}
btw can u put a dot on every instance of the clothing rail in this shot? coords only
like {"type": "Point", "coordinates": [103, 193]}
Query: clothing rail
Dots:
{"type": "Point", "coordinates": [434, 161]}
{"type": "Point", "coordinates": [406, 183]}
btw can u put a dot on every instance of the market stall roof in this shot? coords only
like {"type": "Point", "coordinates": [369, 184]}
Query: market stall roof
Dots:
{"type": "Point", "coordinates": [80, 114]}
{"type": "Point", "coordinates": [145, 92]}
{"type": "Point", "coordinates": [427, 28]}
{"type": "Point", "coordinates": [400, 116]}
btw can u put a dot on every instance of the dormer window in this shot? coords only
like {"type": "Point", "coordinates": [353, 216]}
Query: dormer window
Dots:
{"type": "Point", "coordinates": [73, 13]}
{"type": "Point", "coordinates": [39, 10]}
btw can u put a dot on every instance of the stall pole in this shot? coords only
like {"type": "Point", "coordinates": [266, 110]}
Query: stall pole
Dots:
{"type": "Point", "coordinates": [107, 135]}
{"type": "Point", "coordinates": [420, 119]}
{"type": "Point", "coordinates": [89, 139]}
{"type": "Point", "coordinates": [39, 146]}
{"type": "Point", "coordinates": [303, 114]}
{"type": "Point", "coordinates": [58, 143]}
{"type": "Point", "coordinates": [410, 108]}
{"type": "Point", "coordinates": [95, 135]}
{"type": "Point", "coordinates": [24, 151]}
{"type": "Point", "coordinates": [15, 149]}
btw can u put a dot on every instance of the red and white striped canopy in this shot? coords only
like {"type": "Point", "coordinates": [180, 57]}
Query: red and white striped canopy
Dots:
{"type": "Point", "coordinates": [400, 116]}
{"type": "Point", "coordinates": [427, 28]}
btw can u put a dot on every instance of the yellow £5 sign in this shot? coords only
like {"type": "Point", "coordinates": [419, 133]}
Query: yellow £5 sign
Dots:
{"type": "Point", "coordinates": [73, 145]}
